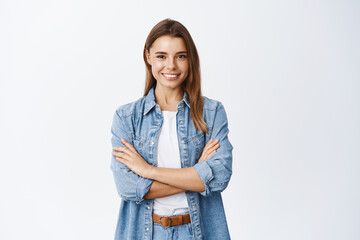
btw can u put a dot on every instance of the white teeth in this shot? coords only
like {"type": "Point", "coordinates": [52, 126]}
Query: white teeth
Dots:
{"type": "Point", "coordinates": [171, 76]}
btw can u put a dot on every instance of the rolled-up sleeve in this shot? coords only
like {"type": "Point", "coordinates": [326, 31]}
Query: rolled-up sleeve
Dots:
{"type": "Point", "coordinates": [217, 170]}
{"type": "Point", "coordinates": [130, 186]}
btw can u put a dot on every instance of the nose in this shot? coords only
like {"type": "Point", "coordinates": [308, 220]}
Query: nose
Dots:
{"type": "Point", "coordinates": [170, 64]}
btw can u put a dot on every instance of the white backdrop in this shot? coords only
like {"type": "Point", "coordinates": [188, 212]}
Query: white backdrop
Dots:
{"type": "Point", "coordinates": [287, 73]}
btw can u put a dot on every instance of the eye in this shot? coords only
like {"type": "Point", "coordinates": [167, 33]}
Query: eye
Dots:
{"type": "Point", "coordinates": [182, 56]}
{"type": "Point", "coordinates": [160, 56]}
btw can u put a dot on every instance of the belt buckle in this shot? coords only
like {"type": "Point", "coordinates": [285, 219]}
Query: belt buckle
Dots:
{"type": "Point", "coordinates": [168, 222]}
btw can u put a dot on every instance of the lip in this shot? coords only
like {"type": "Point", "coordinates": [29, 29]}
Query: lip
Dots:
{"type": "Point", "coordinates": [171, 78]}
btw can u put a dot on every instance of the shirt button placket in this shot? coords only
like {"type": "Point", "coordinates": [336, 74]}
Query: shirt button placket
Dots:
{"type": "Point", "coordinates": [195, 217]}
{"type": "Point", "coordinates": [148, 220]}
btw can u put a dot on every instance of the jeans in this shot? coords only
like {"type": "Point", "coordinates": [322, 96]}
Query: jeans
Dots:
{"type": "Point", "coordinates": [180, 232]}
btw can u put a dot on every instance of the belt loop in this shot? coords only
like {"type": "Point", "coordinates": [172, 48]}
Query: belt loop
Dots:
{"type": "Point", "coordinates": [181, 219]}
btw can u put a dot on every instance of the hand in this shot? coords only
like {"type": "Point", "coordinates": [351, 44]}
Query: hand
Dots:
{"type": "Point", "coordinates": [132, 159]}
{"type": "Point", "coordinates": [209, 149]}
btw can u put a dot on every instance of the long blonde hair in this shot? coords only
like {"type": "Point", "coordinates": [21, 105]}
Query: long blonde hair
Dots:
{"type": "Point", "coordinates": [192, 85]}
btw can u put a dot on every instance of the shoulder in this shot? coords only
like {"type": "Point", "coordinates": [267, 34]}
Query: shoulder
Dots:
{"type": "Point", "coordinates": [211, 104]}
{"type": "Point", "coordinates": [131, 109]}
{"type": "Point", "coordinates": [214, 112]}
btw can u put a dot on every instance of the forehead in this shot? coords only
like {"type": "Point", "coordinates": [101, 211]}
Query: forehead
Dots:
{"type": "Point", "coordinates": [169, 44]}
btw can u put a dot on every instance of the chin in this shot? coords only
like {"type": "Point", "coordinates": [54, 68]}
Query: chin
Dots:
{"type": "Point", "coordinates": [168, 84]}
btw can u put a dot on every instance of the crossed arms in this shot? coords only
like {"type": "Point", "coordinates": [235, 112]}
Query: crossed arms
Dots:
{"type": "Point", "coordinates": [136, 180]}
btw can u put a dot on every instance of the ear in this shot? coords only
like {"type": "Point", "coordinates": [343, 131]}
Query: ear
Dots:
{"type": "Point", "coordinates": [148, 56]}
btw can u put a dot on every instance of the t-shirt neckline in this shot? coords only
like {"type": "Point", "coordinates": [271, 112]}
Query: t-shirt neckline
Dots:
{"type": "Point", "coordinates": [169, 111]}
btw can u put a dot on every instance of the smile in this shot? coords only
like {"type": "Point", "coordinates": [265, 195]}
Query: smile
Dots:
{"type": "Point", "coordinates": [171, 76]}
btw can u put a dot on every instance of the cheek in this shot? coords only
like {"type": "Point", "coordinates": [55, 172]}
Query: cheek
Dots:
{"type": "Point", "coordinates": [156, 66]}
{"type": "Point", "coordinates": [184, 67]}
{"type": "Point", "coordinates": [185, 72]}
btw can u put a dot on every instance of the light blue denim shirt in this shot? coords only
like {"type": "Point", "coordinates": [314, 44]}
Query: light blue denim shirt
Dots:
{"type": "Point", "coordinates": [139, 122]}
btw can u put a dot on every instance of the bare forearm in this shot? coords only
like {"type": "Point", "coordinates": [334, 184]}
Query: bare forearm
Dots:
{"type": "Point", "coordinates": [159, 190]}
{"type": "Point", "coordinates": [183, 178]}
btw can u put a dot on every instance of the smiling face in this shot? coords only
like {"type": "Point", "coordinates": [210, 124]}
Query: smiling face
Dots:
{"type": "Point", "coordinates": [169, 61]}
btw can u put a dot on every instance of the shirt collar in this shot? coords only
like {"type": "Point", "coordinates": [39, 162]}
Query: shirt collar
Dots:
{"type": "Point", "coordinates": [150, 100]}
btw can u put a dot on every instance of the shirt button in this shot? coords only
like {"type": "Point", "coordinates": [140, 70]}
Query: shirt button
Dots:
{"type": "Point", "coordinates": [197, 227]}
{"type": "Point", "coordinates": [193, 206]}
{"type": "Point", "coordinates": [152, 143]}
{"type": "Point", "coordinates": [148, 207]}
{"type": "Point", "coordinates": [182, 141]}
{"type": "Point", "coordinates": [181, 121]}
{"type": "Point", "coordinates": [147, 229]}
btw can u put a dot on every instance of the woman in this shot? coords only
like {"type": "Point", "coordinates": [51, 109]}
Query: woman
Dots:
{"type": "Point", "coordinates": [169, 180]}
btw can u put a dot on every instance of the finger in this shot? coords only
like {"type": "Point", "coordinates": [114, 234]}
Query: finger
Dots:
{"type": "Point", "coordinates": [212, 143]}
{"type": "Point", "coordinates": [208, 144]}
{"type": "Point", "coordinates": [125, 150]}
{"type": "Point", "coordinates": [214, 151]}
{"type": "Point", "coordinates": [216, 146]}
{"type": "Point", "coordinates": [210, 149]}
{"type": "Point", "coordinates": [122, 160]}
{"type": "Point", "coordinates": [204, 154]}
{"type": "Point", "coordinates": [215, 142]}
{"type": "Point", "coordinates": [209, 155]}
{"type": "Point", "coordinates": [119, 149]}
{"type": "Point", "coordinates": [120, 154]}
{"type": "Point", "coordinates": [127, 144]}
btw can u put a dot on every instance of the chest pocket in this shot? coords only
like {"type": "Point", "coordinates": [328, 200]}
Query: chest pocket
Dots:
{"type": "Point", "coordinates": [144, 148]}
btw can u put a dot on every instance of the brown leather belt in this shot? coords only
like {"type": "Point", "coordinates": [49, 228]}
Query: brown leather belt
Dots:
{"type": "Point", "coordinates": [171, 221]}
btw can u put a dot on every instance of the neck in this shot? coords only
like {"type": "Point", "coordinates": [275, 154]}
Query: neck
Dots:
{"type": "Point", "coordinates": [168, 98]}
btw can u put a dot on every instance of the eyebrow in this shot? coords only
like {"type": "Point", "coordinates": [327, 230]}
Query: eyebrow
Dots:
{"type": "Point", "coordinates": [166, 52]}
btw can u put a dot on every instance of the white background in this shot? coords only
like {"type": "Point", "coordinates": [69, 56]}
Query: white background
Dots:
{"type": "Point", "coordinates": [287, 73]}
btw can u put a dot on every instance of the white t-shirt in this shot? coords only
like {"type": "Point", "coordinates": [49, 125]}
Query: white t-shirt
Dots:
{"type": "Point", "coordinates": [168, 155]}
